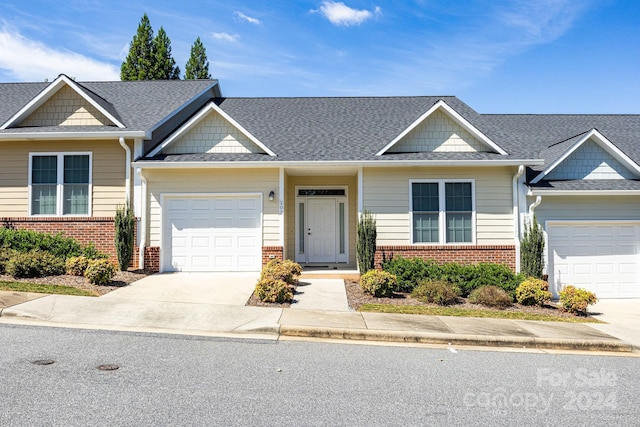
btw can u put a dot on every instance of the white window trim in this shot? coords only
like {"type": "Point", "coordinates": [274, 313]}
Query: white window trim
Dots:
{"type": "Point", "coordinates": [60, 181]}
{"type": "Point", "coordinates": [442, 231]}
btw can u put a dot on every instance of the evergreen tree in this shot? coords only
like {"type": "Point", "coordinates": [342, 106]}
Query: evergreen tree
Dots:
{"type": "Point", "coordinates": [532, 250]}
{"type": "Point", "coordinates": [164, 66]}
{"type": "Point", "coordinates": [197, 65]}
{"type": "Point", "coordinates": [139, 62]}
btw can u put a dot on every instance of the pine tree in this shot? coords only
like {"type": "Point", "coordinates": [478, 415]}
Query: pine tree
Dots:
{"type": "Point", "coordinates": [197, 65]}
{"type": "Point", "coordinates": [139, 62]}
{"type": "Point", "coordinates": [164, 66]}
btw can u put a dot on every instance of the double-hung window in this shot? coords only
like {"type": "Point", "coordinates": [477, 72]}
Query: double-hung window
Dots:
{"type": "Point", "coordinates": [60, 183]}
{"type": "Point", "coordinates": [442, 211]}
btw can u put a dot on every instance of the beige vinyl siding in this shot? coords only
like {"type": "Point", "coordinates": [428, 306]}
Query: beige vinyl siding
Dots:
{"type": "Point", "coordinates": [386, 194]}
{"type": "Point", "coordinates": [581, 208]}
{"type": "Point", "coordinates": [108, 177]}
{"type": "Point", "coordinates": [203, 181]}
{"type": "Point", "coordinates": [320, 181]}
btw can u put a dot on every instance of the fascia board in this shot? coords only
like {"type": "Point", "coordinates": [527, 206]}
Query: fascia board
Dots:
{"type": "Point", "coordinates": [453, 115]}
{"type": "Point", "coordinates": [47, 93]}
{"type": "Point", "coordinates": [211, 106]}
{"type": "Point", "coordinates": [603, 142]}
{"type": "Point", "coordinates": [17, 136]}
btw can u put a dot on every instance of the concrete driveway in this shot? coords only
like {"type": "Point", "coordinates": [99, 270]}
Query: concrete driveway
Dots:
{"type": "Point", "coordinates": [622, 317]}
{"type": "Point", "coordinates": [199, 288]}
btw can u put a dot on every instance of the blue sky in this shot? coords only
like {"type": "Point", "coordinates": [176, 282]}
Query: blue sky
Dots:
{"type": "Point", "coordinates": [512, 56]}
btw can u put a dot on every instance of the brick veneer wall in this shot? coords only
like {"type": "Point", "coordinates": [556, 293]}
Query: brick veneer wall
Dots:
{"type": "Point", "coordinates": [152, 258]}
{"type": "Point", "coordinates": [97, 230]}
{"type": "Point", "coordinates": [275, 251]}
{"type": "Point", "coordinates": [499, 254]}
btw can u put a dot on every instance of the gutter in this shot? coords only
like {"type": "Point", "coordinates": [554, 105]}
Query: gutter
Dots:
{"type": "Point", "coordinates": [152, 164]}
{"type": "Point", "coordinates": [127, 173]}
{"type": "Point", "coordinates": [70, 135]}
{"type": "Point", "coordinates": [143, 221]}
{"type": "Point", "coordinates": [516, 215]}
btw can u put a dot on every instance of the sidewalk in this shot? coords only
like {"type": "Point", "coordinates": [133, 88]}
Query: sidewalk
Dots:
{"type": "Point", "coordinates": [152, 305]}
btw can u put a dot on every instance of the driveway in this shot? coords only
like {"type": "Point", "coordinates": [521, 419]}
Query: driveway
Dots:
{"type": "Point", "coordinates": [622, 317]}
{"type": "Point", "coordinates": [199, 288]}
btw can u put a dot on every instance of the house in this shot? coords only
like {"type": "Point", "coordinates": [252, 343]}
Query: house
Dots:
{"type": "Point", "coordinates": [225, 184]}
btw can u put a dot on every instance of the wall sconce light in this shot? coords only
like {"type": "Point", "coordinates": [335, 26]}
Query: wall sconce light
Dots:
{"type": "Point", "coordinates": [272, 194]}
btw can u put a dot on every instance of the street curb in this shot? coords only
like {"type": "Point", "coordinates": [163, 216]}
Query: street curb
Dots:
{"type": "Point", "coordinates": [455, 339]}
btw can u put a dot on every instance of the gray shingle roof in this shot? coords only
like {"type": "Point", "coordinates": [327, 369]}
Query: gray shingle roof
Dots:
{"type": "Point", "coordinates": [589, 185]}
{"type": "Point", "coordinates": [139, 105]}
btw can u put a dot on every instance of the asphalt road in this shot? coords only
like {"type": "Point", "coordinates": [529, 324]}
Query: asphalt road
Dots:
{"type": "Point", "coordinates": [178, 380]}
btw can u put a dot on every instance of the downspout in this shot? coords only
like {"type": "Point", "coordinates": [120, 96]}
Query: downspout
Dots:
{"type": "Point", "coordinates": [533, 206]}
{"type": "Point", "coordinates": [516, 215]}
{"type": "Point", "coordinates": [143, 220]}
{"type": "Point", "coordinates": [127, 171]}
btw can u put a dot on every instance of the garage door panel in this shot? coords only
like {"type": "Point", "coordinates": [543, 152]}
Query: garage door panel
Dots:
{"type": "Point", "coordinates": [213, 234]}
{"type": "Point", "coordinates": [602, 258]}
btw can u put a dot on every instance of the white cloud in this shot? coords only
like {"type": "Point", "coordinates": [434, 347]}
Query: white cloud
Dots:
{"type": "Point", "coordinates": [339, 13]}
{"type": "Point", "coordinates": [29, 60]}
{"type": "Point", "coordinates": [225, 37]}
{"type": "Point", "coordinates": [247, 18]}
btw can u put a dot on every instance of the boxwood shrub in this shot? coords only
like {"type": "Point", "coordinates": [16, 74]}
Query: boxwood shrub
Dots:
{"type": "Point", "coordinates": [35, 263]}
{"type": "Point", "coordinates": [58, 245]}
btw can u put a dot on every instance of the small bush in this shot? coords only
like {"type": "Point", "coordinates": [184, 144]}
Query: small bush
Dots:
{"type": "Point", "coordinates": [287, 271]}
{"type": "Point", "coordinates": [125, 225]}
{"type": "Point", "coordinates": [410, 271]}
{"type": "Point", "coordinates": [378, 283]}
{"type": "Point", "coordinates": [366, 234]}
{"type": "Point", "coordinates": [533, 292]}
{"type": "Point", "coordinates": [35, 263]}
{"type": "Point", "coordinates": [436, 292]}
{"type": "Point", "coordinates": [273, 290]}
{"type": "Point", "coordinates": [491, 296]}
{"type": "Point", "coordinates": [76, 265]}
{"type": "Point", "coordinates": [575, 300]}
{"type": "Point", "coordinates": [5, 256]}
{"type": "Point", "coordinates": [100, 271]}
{"type": "Point", "coordinates": [58, 245]}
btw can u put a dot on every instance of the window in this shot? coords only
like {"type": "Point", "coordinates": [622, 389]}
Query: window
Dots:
{"type": "Point", "coordinates": [60, 184]}
{"type": "Point", "coordinates": [442, 212]}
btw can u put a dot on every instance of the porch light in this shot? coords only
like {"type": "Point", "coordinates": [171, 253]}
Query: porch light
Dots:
{"type": "Point", "coordinates": [272, 194]}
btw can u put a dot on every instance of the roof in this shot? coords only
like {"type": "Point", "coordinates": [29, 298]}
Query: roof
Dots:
{"type": "Point", "coordinates": [140, 105]}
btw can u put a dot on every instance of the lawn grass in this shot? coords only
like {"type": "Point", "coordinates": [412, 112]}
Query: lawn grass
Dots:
{"type": "Point", "coordinates": [465, 312]}
{"type": "Point", "coordinates": [44, 289]}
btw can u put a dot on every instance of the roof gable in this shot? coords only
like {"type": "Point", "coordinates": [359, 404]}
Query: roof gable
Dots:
{"type": "Point", "coordinates": [211, 131]}
{"type": "Point", "coordinates": [64, 103]}
{"type": "Point", "coordinates": [441, 129]}
{"type": "Point", "coordinates": [591, 157]}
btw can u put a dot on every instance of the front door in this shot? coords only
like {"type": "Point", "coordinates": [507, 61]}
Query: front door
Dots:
{"type": "Point", "coordinates": [321, 230]}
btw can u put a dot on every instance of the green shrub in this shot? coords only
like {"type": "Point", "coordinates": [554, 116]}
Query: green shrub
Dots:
{"type": "Point", "coordinates": [436, 292]}
{"type": "Point", "coordinates": [378, 283]}
{"type": "Point", "coordinates": [76, 265]}
{"type": "Point", "coordinates": [287, 271]}
{"type": "Point", "coordinates": [273, 290]}
{"type": "Point", "coordinates": [575, 300]}
{"type": "Point", "coordinates": [5, 256]}
{"type": "Point", "coordinates": [57, 245]}
{"type": "Point", "coordinates": [35, 263]}
{"type": "Point", "coordinates": [366, 235]}
{"type": "Point", "coordinates": [533, 292]}
{"type": "Point", "coordinates": [100, 271]}
{"type": "Point", "coordinates": [411, 271]}
{"type": "Point", "coordinates": [491, 296]}
{"type": "Point", "coordinates": [125, 225]}
{"type": "Point", "coordinates": [532, 250]}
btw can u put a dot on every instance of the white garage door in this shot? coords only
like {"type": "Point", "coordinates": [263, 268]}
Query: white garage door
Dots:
{"type": "Point", "coordinates": [212, 233]}
{"type": "Point", "coordinates": [600, 257]}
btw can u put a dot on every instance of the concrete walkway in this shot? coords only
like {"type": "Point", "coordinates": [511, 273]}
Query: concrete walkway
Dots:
{"type": "Point", "coordinates": [213, 304]}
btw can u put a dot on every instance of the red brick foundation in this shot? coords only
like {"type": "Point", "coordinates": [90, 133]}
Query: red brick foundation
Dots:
{"type": "Point", "coordinates": [498, 254]}
{"type": "Point", "coordinates": [271, 252]}
{"type": "Point", "coordinates": [151, 258]}
{"type": "Point", "coordinates": [97, 230]}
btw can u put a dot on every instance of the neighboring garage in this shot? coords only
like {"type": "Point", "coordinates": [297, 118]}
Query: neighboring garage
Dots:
{"type": "Point", "coordinates": [599, 256]}
{"type": "Point", "coordinates": [213, 232]}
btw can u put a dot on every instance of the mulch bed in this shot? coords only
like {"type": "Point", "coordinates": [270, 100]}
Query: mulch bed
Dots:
{"type": "Point", "coordinates": [122, 278]}
{"type": "Point", "coordinates": [356, 298]}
